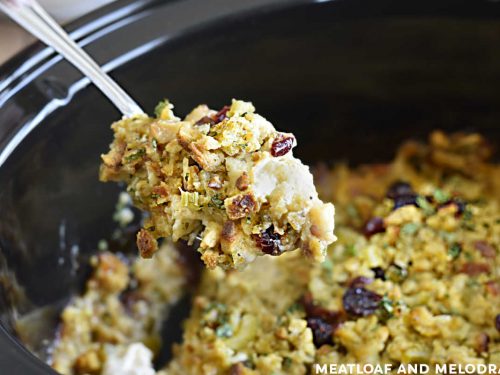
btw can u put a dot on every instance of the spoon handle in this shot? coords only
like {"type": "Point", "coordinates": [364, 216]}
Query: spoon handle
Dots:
{"type": "Point", "coordinates": [32, 17]}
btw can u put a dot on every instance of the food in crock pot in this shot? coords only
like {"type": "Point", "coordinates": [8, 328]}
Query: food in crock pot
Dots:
{"type": "Point", "coordinates": [227, 176]}
{"type": "Point", "coordinates": [413, 277]}
{"type": "Point", "coordinates": [114, 327]}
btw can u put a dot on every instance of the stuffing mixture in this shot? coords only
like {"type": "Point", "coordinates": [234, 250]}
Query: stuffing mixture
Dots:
{"type": "Point", "coordinates": [413, 278]}
{"type": "Point", "coordinates": [228, 177]}
{"type": "Point", "coordinates": [114, 327]}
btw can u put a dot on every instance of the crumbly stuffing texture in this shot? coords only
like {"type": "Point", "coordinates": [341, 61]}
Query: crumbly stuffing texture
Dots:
{"type": "Point", "coordinates": [227, 177]}
{"type": "Point", "coordinates": [122, 307]}
{"type": "Point", "coordinates": [413, 277]}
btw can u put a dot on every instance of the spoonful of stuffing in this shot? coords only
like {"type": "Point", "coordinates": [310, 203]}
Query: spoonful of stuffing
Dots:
{"type": "Point", "coordinates": [225, 177]}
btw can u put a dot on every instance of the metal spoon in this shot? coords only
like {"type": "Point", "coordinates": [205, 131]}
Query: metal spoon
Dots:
{"type": "Point", "coordinates": [32, 17]}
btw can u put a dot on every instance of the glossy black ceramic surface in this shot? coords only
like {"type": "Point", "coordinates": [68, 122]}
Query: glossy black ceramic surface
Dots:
{"type": "Point", "coordinates": [351, 78]}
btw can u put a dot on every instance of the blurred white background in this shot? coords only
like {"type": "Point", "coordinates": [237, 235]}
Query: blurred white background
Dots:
{"type": "Point", "coordinates": [13, 38]}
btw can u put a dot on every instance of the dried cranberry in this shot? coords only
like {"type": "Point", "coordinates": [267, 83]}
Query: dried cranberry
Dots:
{"type": "Point", "coordinates": [373, 226]}
{"type": "Point", "coordinates": [214, 119]}
{"type": "Point", "coordinates": [359, 301]}
{"type": "Point", "coordinates": [205, 120]}
{"type": "Point", "coordinates": [460, 206]}
{"type": "Point", "coordinates": [399, 189]}
{"type": "Point", "coordinates": [282, 145]}
{"type": "Point", "coordinates": [360, 281]}
{"type": "Point", "coordinates": [497, 322]}
{"type": "Point", "coordinates": [379, 273]}
{"type": "Point", "coordinates": [405, 200]}
{"type": "Point", "coordinates": [482, 342]}
{"type": "Point", "coordinates": [322, 331]}
{"type": "Point", "coordinates": [221, 115]}
{"type": "Point", "coordinates": [317, 311]}
{"type": "Point", "coordinates": [269, 241]}
{"type": "Point", "coordinates": [323, 322]}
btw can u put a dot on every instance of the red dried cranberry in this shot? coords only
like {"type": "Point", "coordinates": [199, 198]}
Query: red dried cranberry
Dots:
{"type": "Point", "coordinates": [399, 189]}
{"type": "Point", "coordinates": [460, 206]}
{"type": "Point", "coordinates": [359, 301]}
{"type": "Point", "coordinates": [314, 310]}
{"type": "Point", "coordinates": [379, 273]}
{"type": "Point", "coordinates": [497, 322]}
{"type": "Point", "coordinates": [373, 226]}
{"type": "Point", "coordinates": [214, 119]}
{"type": "Point", "coordinates": [205, 120]}
{"type": "Point", "coordinates": [322, 331]}
{"type": "Point", "coordinates": [360, 281]}
{"type": "Point", "coordinates": [282, 145]}
{"type": "Point", "coordinates": [323, 322]}
{"type": "Point", "coordinates": [269, 241]}
{"type": "Point", "coordinates": [221, 115]}
{"type": "Point", "coordinates": [405, 200]}
{"type": "Point", "coordinates": [482, 342]}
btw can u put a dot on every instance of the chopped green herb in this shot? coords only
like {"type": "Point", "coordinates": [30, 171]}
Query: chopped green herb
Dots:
{"type": "Point", "coordinates": [424, 204]}
{"type": "Point", "coordinates": [441, 196]}
{"type": "Point", "coordinates": [327, 265]}
{"type": "Point", "coordinates": [154, 144]}
{"type": "Point", "coordinates": [351, 250]}
{"type": "Point", "coordinates": [467, 214]}
{"type": "Point", "coordinates": [217, 201]}
{"type": "Point", "coordinates": [386, 304]}
{"type": "Point", "coordinates": [160, 107]}
{"type": "Point", "coordinates": [447, 236]}
{"type": "Point", "coordinates": [455, 250]}
{"type": "Point", "coordinates": [287, 362]}
{"type": "Point", "coordinates": [410, 228]}
{"type": "Point", "coordinates": [224, 330]}
{"type": "Point", "coordinates": [294, 307]}
{"type": "Point", "coordinates": [137, 155]}
{"type": "Point", "coordinates": [386, 308]}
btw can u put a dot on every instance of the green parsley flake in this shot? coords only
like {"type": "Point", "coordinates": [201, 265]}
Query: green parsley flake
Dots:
{"type": "Point", "coordinates": [217, 201]}
{"type": "Point", "coordinates": [410, 228]}
{"type": "Point", "coordinates": [327, 265]}
{"type": "Point", "coordinates": [455, 250]}
{"type": "Point", "coordinates": [160, 107]}
{"type": "Point", "coordinates": [441, 196]}
{"type": "Point", "coordinates": [424, 204]}
{"type": "Point", "coordinates": [135, 156]}
{"type": "Point", "coordinates": [351, 250]}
